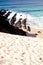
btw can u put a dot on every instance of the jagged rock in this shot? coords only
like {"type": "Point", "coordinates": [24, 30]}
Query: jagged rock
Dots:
{"type": "Point", "coordinates": [18, 24]}
{"type": "Point", "coordinates": [12, 18]}
{"type": "Point", "coordinates": [28, 28]}
{"type": "Point", "coordinates": [2, 12]}
{"type": "Point", "coordinates": [13, 22]}
{"type": "Point", "coordinates": [24, 23]}
{"type": "Point", "coordinates": [6, 27]}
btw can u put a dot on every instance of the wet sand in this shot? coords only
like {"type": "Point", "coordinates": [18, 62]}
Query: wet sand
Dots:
{"type": "Point", "coordinates": [35, 32]}
{"type": "Point", "coordinates": [38, 32]}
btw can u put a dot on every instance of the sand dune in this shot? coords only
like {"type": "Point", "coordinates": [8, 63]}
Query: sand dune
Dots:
{"type": "Point", "coordinates": [20, 50]}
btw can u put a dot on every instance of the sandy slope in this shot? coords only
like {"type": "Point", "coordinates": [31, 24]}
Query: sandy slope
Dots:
{"type": "Point", "coordinates": [18, 50]}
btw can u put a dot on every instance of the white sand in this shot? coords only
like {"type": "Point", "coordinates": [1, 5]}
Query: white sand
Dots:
{"type": "Point", "coordinates": [20, 50]}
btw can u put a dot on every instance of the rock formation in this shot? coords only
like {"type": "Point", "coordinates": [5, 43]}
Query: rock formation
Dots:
{"type": "Point", "coordinates": [12, 22]}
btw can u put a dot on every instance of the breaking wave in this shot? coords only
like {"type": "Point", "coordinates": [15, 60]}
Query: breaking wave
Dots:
{"type": "Point", "coordinates": [32, 21]}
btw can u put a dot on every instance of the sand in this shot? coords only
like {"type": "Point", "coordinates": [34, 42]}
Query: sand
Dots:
{"type": "Point", "coordinates": [34, 30]}
{"type": "Point", "coordinates": [20, 50]}
{"type": "Point", "coordinates": [39, 32]}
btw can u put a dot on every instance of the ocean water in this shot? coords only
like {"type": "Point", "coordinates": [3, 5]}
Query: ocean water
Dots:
{"type": "Point", "coordinates": [33, 9]}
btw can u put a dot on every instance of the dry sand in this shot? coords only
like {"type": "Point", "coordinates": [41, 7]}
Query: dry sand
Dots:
{"type": "Point", "coordinates": [20, 50]}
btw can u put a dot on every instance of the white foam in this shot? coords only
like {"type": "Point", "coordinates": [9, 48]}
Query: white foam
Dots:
{"type": "Point", "coordinates": [17, 19]}
{"type": "Point", "coordinates": [34, 21]}
{"type": "Point", "coordinates": [10, 16]}
{"type": "Point", "coordinates": [19, 16]}
{"type": "Point", "coordinates": [23, 16]}
{"type": "Point", "coordinates": [30, 20]}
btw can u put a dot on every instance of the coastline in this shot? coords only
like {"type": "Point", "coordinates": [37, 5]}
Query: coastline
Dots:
{"type": "Point", "coordinates": [37, 31]}
{"type": "Point", "coordinates": [19, 20]}
{"type": "Point", "coordinates": [21, 32]}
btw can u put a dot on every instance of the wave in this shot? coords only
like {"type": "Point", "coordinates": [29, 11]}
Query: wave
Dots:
{"type": "Point", "coordinates": [32, 11]}
{"type": "Point", "coordinates": [21, 9]}
{"type": "Point", "coordinates": [31, 20]}
{"type": "Point", "coordinates": [35, 21]}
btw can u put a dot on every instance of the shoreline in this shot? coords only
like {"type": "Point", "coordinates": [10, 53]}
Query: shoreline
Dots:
{"type": "Point", "coordinates": [39, 32]}
{"type": "Point", "coordinates": [35, 31]}
{"type": "Point", "coordinates": [21, 21]}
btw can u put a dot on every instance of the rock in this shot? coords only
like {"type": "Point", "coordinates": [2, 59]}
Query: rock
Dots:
{"type": "Point", "coordinates": [23, 23]}
{"type": "Point", "coordinates": [2, 12]}
{"type": "Point", "coordinates": [7, 14]}
{"type": "Point", "coordinates": [13, 22]}
{"type": "Point", "coordinates": [39, 31]}
{"type": "Point", "coordinates": [28, 28]}
{"type": "Point", "coordinates": [11, 18]}
{"type": "Point", "coordinates": [5, 26]}
{"type": "Point", "coordinates": [18, 24]}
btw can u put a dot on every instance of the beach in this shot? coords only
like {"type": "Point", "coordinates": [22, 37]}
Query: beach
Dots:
{"type": "Point", "coordinates": [20, 50]}
{"type": "Point", "coordinates": [38, 32]}
{"type": "Point", "coordinates": [16, 49]}
{"type": "Point", "coordinates": [35, 32]}
{"type": "Point", "coordinates": [18, 23]}
{"type": "Point", "coordinates": [21, 32]}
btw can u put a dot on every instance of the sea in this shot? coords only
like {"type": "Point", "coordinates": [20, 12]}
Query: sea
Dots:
{"type": "Point", "coordinates": [33, 9]}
